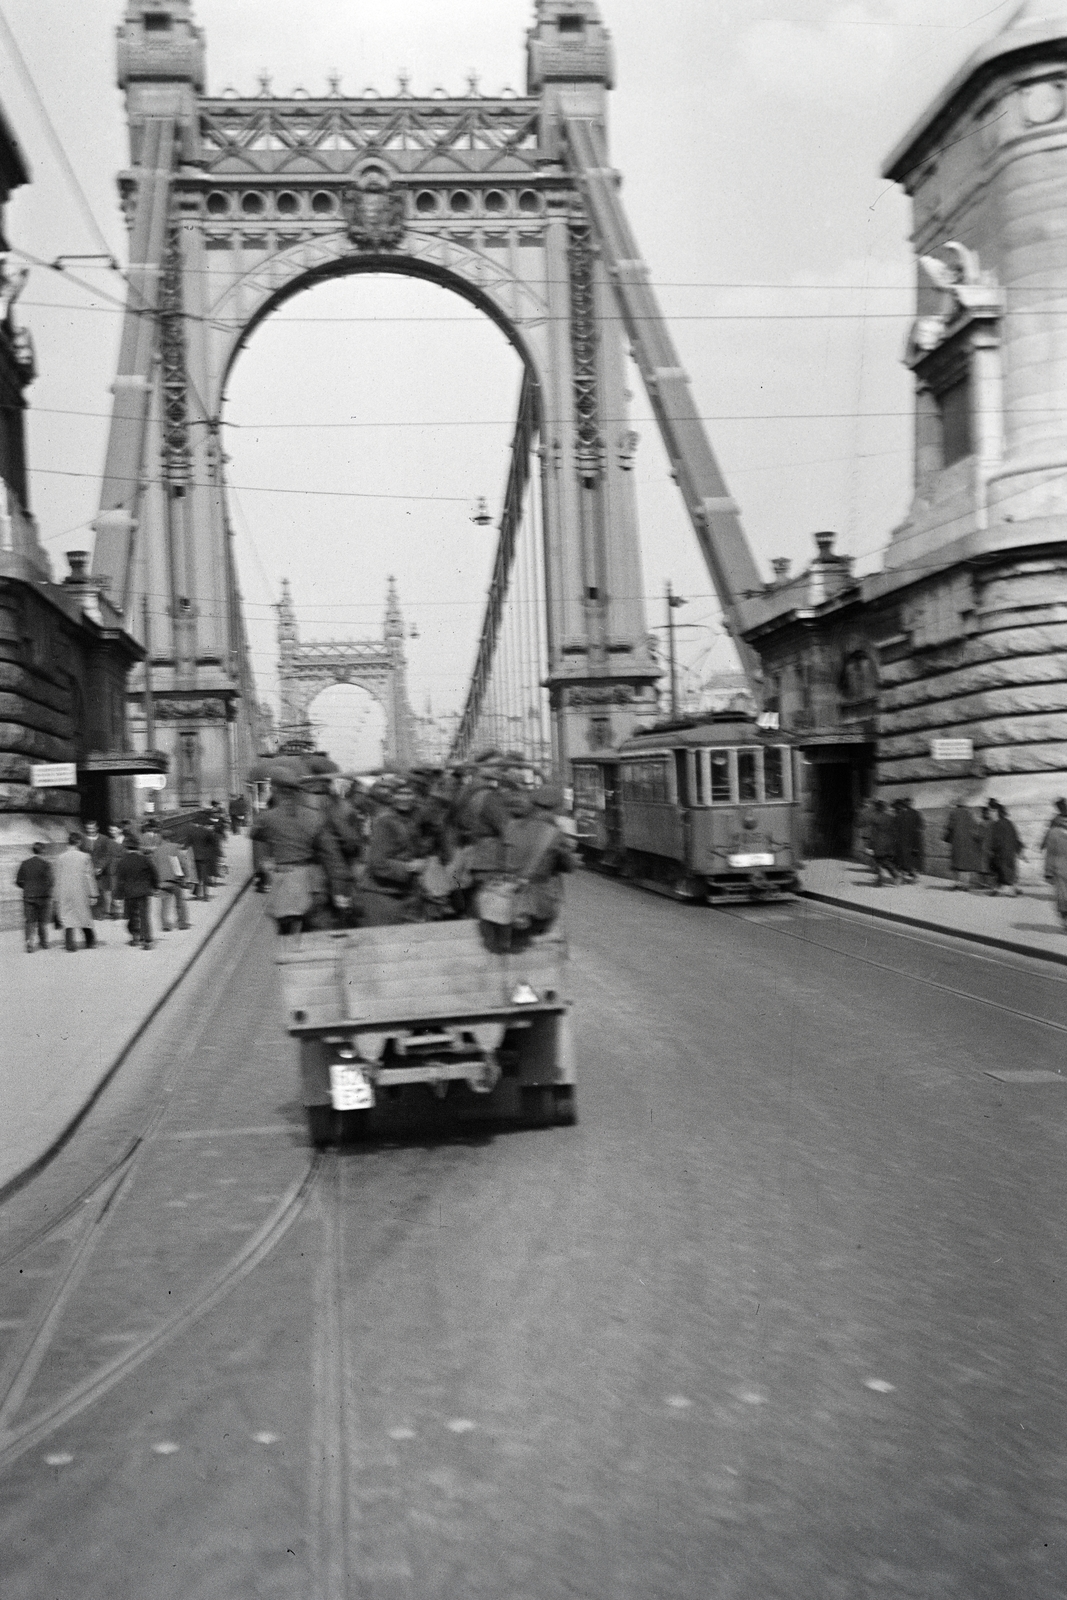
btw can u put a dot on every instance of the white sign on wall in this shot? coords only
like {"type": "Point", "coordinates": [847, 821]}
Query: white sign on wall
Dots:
{"type": "Point", "coordinates": [149, 780]}
{"type": "Point", "coordinates": [54, 775]}
{"type": "Point", "coordinates": [952, 749]}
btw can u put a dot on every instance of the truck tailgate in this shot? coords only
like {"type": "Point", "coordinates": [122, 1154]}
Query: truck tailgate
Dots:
{"type": "Point", "coordinates": [414, 972]}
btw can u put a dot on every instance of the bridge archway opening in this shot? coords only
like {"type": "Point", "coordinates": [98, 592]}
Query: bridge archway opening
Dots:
{"type": "Point", "coordinates": [362, 422]}
{"type": "Point", "coordinates": [349, 724]}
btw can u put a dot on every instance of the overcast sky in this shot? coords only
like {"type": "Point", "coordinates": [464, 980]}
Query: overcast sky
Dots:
{"type": "Point", "coordinates": [750, 134]}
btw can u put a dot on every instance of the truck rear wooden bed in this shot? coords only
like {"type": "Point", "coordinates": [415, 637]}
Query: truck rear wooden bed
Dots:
{"type": "Point", "coordinates": [376, 1009]}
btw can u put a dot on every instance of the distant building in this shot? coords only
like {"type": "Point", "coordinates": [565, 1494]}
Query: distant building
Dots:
{"type": "Point", "coordinates": [946, 673]}
{"type": "Point", "coordinates": [64, 654]}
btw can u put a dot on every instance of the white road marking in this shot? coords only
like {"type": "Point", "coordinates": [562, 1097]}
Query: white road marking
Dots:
{"type": "Point", "coordinates": [406, 1433]}
{"type": "Point", "coordinates": [461, 1425]}
{"type": "Point", "coordinates": [679, 1401]}
{"type": "Point", "coordinates": [879, 1385]}
{"type": "Point", "coordinates": [165, 1447]}
{"type": "Point", "coordinates": [752, 1397]}
{"type": "Point", "coordinates": [266, 1438]}
{"type": "Point", "coordinates": [60, 1459]}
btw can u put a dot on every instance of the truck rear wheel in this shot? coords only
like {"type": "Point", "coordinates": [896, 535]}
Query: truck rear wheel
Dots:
{"type": "Point", "coordinates": [354, 1125]}
{"type": "Point", "coordinates": [566, 1105]}
{"type": "Point", "coordinates": [320, 1125]}
{"type": "Point", "coordinates": [538, 1106]}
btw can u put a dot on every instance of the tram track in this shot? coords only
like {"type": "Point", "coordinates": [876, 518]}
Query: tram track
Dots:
{"type": "Point", "coordinates": [904, 972]}
{"type": "Point", "coordinates": [89, 1216]}
{"type": "Point", "coordinates": [16, 1439]}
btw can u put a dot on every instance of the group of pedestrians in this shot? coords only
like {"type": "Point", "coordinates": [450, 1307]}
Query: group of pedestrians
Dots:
{"type": "Point", "coordinates": [116, 873]}
{"type": "Point", "coordinates": [483, 839]}
{"type": "Point", "coordinates": [894, 841]}
{"type": "Point", "coordinates": [984, 847]}
{"type": "Point", "coordinates": [984, 850]}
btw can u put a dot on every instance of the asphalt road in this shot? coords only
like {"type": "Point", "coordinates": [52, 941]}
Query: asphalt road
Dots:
{"type": "Point", "coordinates": [782, 1317]}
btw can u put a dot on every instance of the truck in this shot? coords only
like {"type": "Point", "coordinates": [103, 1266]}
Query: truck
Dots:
{"type": "Point", "coordinates": [375, 1010]}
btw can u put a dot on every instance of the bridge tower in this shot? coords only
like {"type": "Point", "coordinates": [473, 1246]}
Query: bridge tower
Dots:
{"type": "Point", "coordinates": [307, 667]}
{"type": "Point", "coordinates": [236, 204]}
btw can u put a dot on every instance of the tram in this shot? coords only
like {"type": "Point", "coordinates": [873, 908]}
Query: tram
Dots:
{"type": "Point", "coordinates": [701, 809]}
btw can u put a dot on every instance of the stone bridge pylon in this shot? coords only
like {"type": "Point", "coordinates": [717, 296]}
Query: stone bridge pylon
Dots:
{"type": "Point", "coordinates": [236, 203]}
{"type": "Point", "coordinates": [376, 665]}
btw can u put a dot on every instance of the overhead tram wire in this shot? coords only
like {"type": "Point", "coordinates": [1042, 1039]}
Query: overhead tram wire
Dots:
{"type": "Point", "coordinates": [55, 141]}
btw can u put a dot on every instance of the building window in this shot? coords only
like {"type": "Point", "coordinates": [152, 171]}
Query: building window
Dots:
{"type": "Point", "coordinates": [188, 770]}
{"type": "Point", "coordinates": [954, 405]}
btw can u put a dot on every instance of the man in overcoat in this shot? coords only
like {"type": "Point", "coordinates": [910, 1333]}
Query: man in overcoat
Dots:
{"type": "Point", "coordinates": [1055, 842]}
{"type": "Point", "coordinates": [883, 844]}
{"type": "Point", "coordinates": [962, 835]}
{"type": "Point", "coordinates": [911, 840]}
{"type": "Point", "coordinates": [75, 892]}
{"type": "Point", "coordinates": [203, 842]}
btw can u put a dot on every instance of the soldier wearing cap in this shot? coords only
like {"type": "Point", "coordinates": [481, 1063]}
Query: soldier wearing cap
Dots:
{"type": "Point", "coordinates": [309, 870]}
{"type": "Point", "coordinates": [394, 859]}
{"type": "Point", "coordinates": [537, 850]}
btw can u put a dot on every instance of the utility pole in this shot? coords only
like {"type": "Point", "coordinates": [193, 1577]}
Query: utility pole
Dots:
{"type": "Point", "coordinates": [673, 602]}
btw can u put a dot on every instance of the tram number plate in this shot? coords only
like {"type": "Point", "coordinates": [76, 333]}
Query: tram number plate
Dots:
{"type": "Point", "coordinates": [350, 1088]}
{"type": "Point", "coordinates": [755, 858]}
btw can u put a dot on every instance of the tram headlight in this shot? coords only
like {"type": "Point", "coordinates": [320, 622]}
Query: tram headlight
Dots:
{"type": "Point", "coordinates": [749, 819]}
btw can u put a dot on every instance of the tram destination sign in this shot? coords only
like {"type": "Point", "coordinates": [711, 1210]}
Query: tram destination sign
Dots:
{"type": "Point", "coordinates": [54, 775]}
{"type": "Point", "coordinates": [952, 749]}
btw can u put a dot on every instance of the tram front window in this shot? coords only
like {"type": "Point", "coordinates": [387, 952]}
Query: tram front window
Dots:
{"type": "Point", "coordinates": [720, 776]}
{"type": "Point", "coordinates": [747, 781]}
{"type": "Point", "coordinates": [773, 773]}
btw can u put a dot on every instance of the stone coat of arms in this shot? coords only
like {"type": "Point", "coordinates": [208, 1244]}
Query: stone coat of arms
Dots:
{"type": "Point", "coordinates": [374, 212]}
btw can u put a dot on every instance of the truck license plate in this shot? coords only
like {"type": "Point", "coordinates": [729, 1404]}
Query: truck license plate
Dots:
{"type": "Point", "coordinates": [350, 1088]}
{"type": "Point", "coordinates": [755, 858]}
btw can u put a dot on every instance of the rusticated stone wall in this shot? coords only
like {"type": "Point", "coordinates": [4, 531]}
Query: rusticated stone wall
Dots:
{"type": "Point", "coordinates": [1002, 683]}
{"type": "Point", "coordinates": [37, 702]}
{"type": "Point", "coordinates": [62, 695]}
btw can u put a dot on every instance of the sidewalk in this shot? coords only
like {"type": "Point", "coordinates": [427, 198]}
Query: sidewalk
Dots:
{"type": "Point", "coordinates": [1026, 924]}
{"type": "Point", "coordinates": [66, 1021]}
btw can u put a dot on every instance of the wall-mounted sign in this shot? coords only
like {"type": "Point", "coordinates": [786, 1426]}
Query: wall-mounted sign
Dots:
{"type": "Point", "coordinates": [768, 719]}
{"type": "Point", "coordinates": [54, 775]}
{"type": "Point", "coordinates": [952, 749]}
{"type": "Point", "coordinates": [149, 780]}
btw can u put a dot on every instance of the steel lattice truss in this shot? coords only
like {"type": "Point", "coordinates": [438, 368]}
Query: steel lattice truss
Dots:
{"type": "Point", "coordinates": [262, 136]}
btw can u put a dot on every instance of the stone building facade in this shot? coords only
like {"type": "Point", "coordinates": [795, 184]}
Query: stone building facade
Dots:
{"type": "Point", "coordinates": [963, 634]}
{"type": "Point", "coordinates": [64, 654]}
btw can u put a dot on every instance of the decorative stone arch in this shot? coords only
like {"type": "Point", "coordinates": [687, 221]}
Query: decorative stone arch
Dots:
{"type": "Point", "coordinates": [517, 309]}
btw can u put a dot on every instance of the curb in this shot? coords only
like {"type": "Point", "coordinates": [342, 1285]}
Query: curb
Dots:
{"type": "Point", "coordinates": [936, 927]}
{"type": "Point", "coordinates": [21, 1179]}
